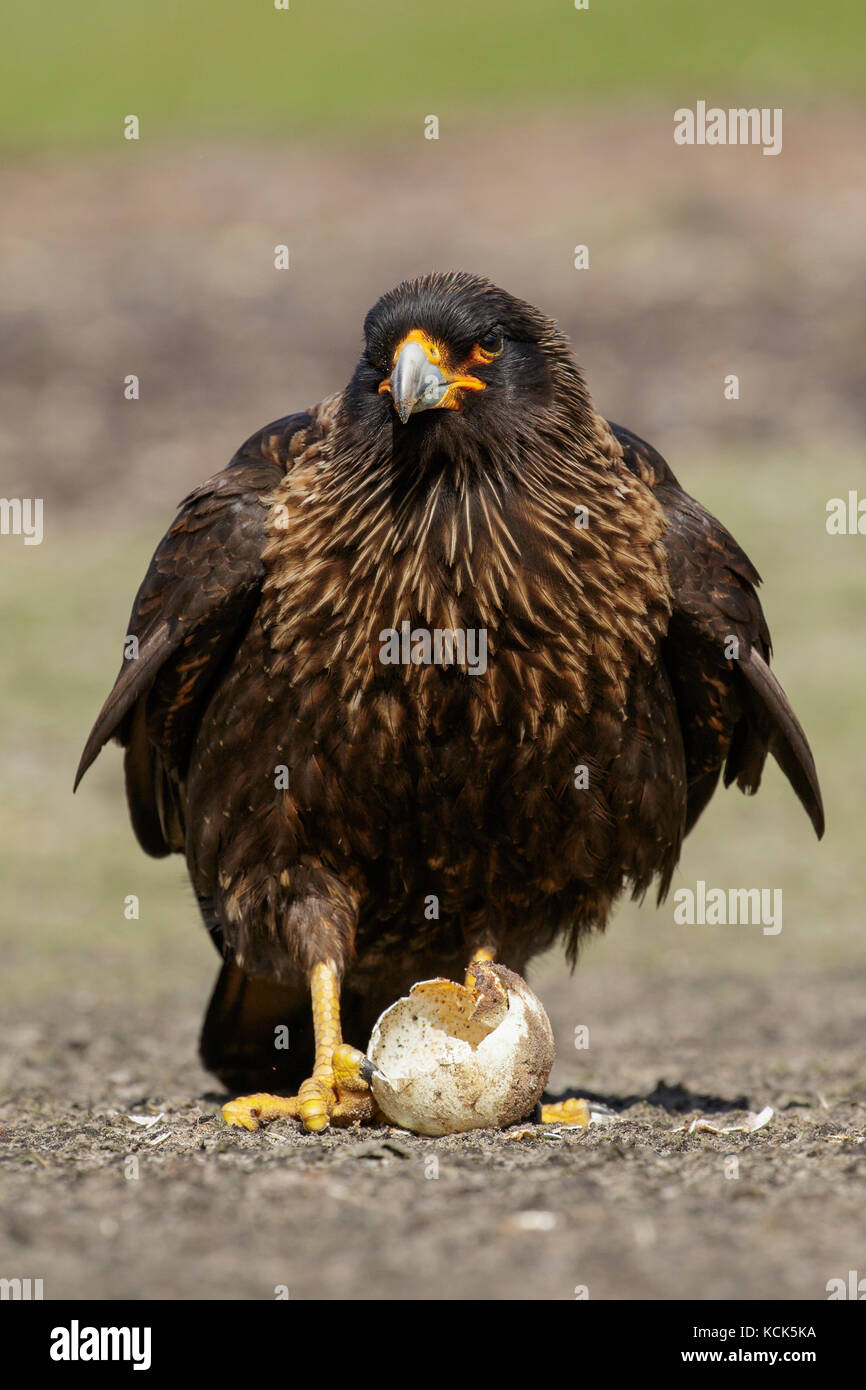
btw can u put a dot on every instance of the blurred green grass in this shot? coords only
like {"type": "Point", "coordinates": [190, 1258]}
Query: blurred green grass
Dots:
{"type": "Point", "coordinates": [67, 864]}
{"type": "Point", "coordinates": [211, 67]}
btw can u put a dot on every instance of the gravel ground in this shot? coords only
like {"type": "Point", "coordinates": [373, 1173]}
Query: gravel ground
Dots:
{"type": "Point", "coordinates": [100, 1206]}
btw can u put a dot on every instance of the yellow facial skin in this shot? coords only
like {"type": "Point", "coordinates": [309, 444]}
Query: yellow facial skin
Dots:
{"type": "Point", "coordinates": [440, 389]}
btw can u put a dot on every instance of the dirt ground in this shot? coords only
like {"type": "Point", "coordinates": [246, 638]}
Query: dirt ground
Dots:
{"type": "Point", "coordinates": [639, 1208]}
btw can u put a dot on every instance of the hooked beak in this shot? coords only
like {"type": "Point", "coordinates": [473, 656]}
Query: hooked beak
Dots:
{"type": "Point", "coordinates": [420, 380]}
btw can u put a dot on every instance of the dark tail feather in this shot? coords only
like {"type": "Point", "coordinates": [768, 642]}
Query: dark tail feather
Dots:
{"type": "Point", "coordinates": [785, 739]}
{"type": "Point", "coordinates": [143, 776]}
{"type": "Point", "coordinates": [239, 1038]}
{"type": "Point", "coordinates": [700, 792]}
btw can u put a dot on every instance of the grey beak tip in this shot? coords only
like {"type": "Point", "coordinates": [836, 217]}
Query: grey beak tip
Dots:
{"type": "Point", "coordinates": [416, 383]}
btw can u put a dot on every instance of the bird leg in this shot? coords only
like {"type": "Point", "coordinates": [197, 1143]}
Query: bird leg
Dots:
{"type": "Point", "coordinates": [337, 1092]}
{"type": "Point", "coordinates": [573, 1112]}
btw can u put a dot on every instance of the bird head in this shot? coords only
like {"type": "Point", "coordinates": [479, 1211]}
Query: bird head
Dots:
{"type": "Point", "coordinates": [452, 364]}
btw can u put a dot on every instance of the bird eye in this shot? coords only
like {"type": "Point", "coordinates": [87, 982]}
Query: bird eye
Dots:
{"type": "Point", "coordinates": [492, 342]}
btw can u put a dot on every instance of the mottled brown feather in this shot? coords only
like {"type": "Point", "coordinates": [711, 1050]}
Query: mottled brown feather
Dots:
{"type": "Point", "coordinates": [260, 623]}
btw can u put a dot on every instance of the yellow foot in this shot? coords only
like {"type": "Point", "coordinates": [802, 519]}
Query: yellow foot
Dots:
{"type": "Point", "coordinates": [335, 1094]}
{"type": "Point", "coordinates": [248, 1112]}
{"type": "Point", "coordinates": [566, 1112]}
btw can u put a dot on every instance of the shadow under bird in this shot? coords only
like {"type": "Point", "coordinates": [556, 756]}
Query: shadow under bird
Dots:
{"type": "Point", "coordinates": [354, 821]}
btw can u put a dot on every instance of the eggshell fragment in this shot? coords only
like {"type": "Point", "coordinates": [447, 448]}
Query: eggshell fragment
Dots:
{"type": "Point", "coordinates": [452, 1058]}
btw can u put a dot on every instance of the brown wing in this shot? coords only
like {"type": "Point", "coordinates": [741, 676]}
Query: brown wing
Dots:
{"type": "Point", "coordinates": [732, 712]}
{"type": "Point", "coordinates": [191, 611]}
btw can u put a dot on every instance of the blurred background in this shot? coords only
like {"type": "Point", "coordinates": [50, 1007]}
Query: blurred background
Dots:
{"type": "Point", "coordinates": [155, 257]}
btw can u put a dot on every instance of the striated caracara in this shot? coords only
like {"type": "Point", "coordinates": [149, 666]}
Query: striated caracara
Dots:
{"type": "Point", "coordinates": [431, 672]}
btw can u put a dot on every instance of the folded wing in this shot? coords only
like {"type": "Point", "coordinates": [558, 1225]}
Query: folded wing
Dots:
{"type": "Point", "coordinates": [192, 610]}
{"type": "Point", "coordinates": [732, 710]}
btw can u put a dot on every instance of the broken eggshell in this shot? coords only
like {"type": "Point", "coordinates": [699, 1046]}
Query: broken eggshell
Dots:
{"type": "Point", "coordinates": [451, 1058]}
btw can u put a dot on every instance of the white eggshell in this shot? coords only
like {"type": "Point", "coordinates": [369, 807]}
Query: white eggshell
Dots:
{"type": "Point", "coordinates": [452, 1058]}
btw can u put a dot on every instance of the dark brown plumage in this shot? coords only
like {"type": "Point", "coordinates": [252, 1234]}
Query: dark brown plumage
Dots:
{"type": "Point", "coordinates": [259, 626]}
